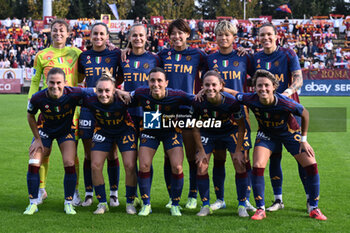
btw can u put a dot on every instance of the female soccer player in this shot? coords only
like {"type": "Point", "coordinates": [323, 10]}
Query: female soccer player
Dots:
{"type": "Point", "coordinates": [157, 100]}
{"type": "Point", "coordinates": [113, 127]}
{"type": "Point", "coordinates": [222, 107]}
{"type": "Point", "coordinates": [284, 64]}
{"type": "Point", "coordinates": [92, 63]}
{"type": "Point", "coordinates": [277, 125]}
{"type": "Point", "coordinates": [137, 66]}
{"type": "Point", "coordinates": [183, 66]}
{"type": "Point", "coordinates": [57, 104]}
{"type": "Point", "coordinates": [66, 58]}
{"type": "Point", "coordinates": [233, 69]}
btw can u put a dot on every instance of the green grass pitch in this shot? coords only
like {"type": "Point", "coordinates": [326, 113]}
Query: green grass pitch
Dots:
{"type": "Point", "coordinates": [333, 156]}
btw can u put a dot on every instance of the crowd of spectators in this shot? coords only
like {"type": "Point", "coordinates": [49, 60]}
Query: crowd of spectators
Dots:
{"type": "Point", "coordinates": [312, 39]}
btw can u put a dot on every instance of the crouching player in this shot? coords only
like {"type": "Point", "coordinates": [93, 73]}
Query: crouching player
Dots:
{"type": "Point", "coordinates": [220, 106]}
{"type": "Point", "coordinates": [113, 128]}
{"type": "Point", "coordinates": [57, 104]}
{"type": "Point", "coordinates": [155, 101]}
{"type": "Point", "coordinates": [274, 113]}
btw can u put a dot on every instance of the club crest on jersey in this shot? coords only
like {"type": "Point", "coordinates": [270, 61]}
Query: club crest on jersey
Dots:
{"type": "Point", "coordinates": [146, 65]}
{"type": "Point", "coordinates": [276, 63]}
{"type": "Point", "coordinates": [66, 106]}
{"type": "Point", "coordinates": [136, 64]}
{"type": "Point", "coordinates": [117, 114]}
{"type": "Point", "coordinates": [236, 63]}
{"type": "Point", "coordinates": [268, 65]}
{"type": "Point", "coordinates": [225, 63]}
{"type": "Point", "coordinates": [98, 60]}
{"type": "Point", "coordinates": [178, 57]}
{"type": "Point", "coordinates": [107, 60]}
{"type": "Point", "coordinates": [188, 58]}
{"type": "Point", "coordinates": [69, 59]}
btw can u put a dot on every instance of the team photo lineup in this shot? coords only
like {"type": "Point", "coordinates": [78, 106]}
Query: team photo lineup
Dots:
{"type": "Point", "coordinates": [128, 101]}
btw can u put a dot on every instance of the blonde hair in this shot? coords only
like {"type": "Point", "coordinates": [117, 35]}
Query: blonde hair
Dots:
{"type": "Point", "coordinates": [225, 26]}
{"type": "Point", "coordinates": [106, 76]}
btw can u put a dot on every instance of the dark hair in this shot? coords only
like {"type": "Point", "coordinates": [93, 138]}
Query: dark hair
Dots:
{"type": "Point", "coordinates": [268, 25]}
{"type": "Point", "coordinates": [265, 74]}
{"type": "Point", "coordinates": [158, 69]}
{"type": "Point", "coordinates": [60, 21]}
{"type": "Point", "coordinates": [102, 24]}
{"type": "Point", "coordinates": [56, 70]}
{"type": "Point", "coordinates": [214, 73]}
{"type": "Point", "coordinates": [180, 24]}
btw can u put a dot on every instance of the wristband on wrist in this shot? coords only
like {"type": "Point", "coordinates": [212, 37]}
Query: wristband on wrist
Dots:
{"type": "Point", "coordinates": [303, 139]}
{"type": "Point", "coordinates": [288, 91]}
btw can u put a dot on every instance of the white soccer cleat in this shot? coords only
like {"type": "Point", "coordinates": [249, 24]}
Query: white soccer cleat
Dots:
{"type": "Point", "coordinates": [76, 198]}
{"type": "Point", "coordinates": [130, 208]}
{"type": "Point", "coordinates": [88, 201]}
{"type": "Point", "coordinates": [277, 205]}
{"type": "Point", "coordinates": [42, 195]}
{"type": "Point", "coordinates": [205, 210]}
{"type": "Point", "coordinates": [113, 201]}
{"type": "Point", "coordinates": [249, 207]}
{"type": "Point", "coordinates": [218, 204]}
{"type": "Point", "coordinates": [101, 208]}
{"type": "Point", "coordinates": [242, 211]}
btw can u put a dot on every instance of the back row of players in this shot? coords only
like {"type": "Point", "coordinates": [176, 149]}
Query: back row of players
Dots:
{"type": "Point", "coordinates": [183, 66]}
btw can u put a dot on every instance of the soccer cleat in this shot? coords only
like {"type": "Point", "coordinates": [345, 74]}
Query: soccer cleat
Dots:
{"type": "Point", "coordinates": [191, 203]}
{"type": "Point", "coordinates": [205, 210]}
{"type": "Point", "coordinates": [175, 210]}
{"type": "Point", "coordinates": [130, 208]}
{"type": "Point", "coordinates": [259, 214]}
{"type": "Point", "coordinates": [249, 206]}
{"type": "Point", "coordinates": [218, 204]}
{"type": "Point", "coordinates": [113, 201]}
{"type": "Point", "coordinates": [76, 198]}
{"type": "Point", "coordinates": [170, 203]}
{"type": "Point", "coordinates": [146, 210]}
{"type": "Point", "coordinates": [242, 211]}
{"type": "Point", "coordinates": [42, 195]}
{"type": "Point", "coordinates": [101, 208]}
{"type": "Point", "coordinates": [317, 214]}
{"type": "Point", "coordinates": [31, 209]}
{"type": "Point", "coordinates": [87, 201]}
{"type": "Point", "coordinates": [277, 205]}
{"type": "Point", "coordinates": [137, 202]}
{"type": "Point", "coordinates": [69, 209]}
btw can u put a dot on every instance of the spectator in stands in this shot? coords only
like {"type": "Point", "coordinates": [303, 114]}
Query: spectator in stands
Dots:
{"type": "Point", "coordinates": [200, 26]}
{"type": "Point", "coordinates": [329, 46]}
{"type": "Point", "coordinates": [7, 63]}
{"type": "Point", "coordinates": [192, 24]}
{"type": "Point", "coordinates": [8, 23]}
{"type": "Point", "coordinates": [338, 53]}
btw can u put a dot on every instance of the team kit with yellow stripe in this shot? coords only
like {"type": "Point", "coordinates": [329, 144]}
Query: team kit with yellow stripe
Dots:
{"type": "Point", "coordinates": [112, 129]}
